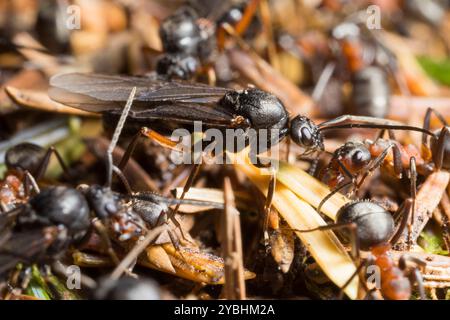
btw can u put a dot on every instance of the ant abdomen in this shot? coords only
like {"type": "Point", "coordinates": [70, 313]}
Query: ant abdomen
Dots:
{"type": "Point", "coordinates": [25, 156]}
{"type": "Point", "coordinates": [62, 206]}
{"type": "Point", "coordinates": [374, 224]}
{"type": "Point", "coordinates": [370, 95]}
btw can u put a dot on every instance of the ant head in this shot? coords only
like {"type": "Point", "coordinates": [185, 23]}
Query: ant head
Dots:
{"type": "Point", "coordinates": [374, 224]}
{"type": "Point", "coordinates": [306, 134]}
{"type": "Point", "coordinates": [354, 155]}
{"type": "Point", "coordinates": [102, 200]}
{"type": "Point", "coordinates": [443, 138]}
{"type": "Point", "coordinates": [25, 156]}
{"type": "Point", "coordinates": [62, 206]}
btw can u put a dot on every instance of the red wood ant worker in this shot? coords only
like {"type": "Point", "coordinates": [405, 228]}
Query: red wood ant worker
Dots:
{"type": "Point", "coordinates": [362, 158]}
{"type": "Point", "coordinates": [354, 158]}
{"type": "Point", "coordinates": [370, 227]}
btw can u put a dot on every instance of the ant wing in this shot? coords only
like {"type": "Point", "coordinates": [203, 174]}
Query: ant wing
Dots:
{"type": "Point", "coordinates": [188, 113]}
{"type": "Point", "coordinates": [24, 246]}
{"type": "Point", "coordinates": [98, 92]}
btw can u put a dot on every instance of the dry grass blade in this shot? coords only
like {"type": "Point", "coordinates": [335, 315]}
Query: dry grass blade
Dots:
{"type": "Point", "coordinates": [310, 189]}
{"type": "Point", "coordinates": [40, 100]}
{"type": "Point", "coordinates": [323, 246]}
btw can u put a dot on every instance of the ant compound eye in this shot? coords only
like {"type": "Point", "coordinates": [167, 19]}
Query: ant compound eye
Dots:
{"type": "Point", "coordinates": [358, 157]}
{"type": "Point", "coordinates": [306, 137]}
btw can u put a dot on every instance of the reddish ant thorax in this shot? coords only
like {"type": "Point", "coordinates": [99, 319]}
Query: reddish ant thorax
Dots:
{"type": "Point", "coordinates": [12, 190]}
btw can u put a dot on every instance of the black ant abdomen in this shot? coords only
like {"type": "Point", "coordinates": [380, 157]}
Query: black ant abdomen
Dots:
{"type": "Point", "coordinates": [374, 224]}
{"type": "Point", "coordinates": [25, 156]}
{"type": "Point", "coordinates": [370, 95]}
{"type": "Point", "coordinates": [62, 206]}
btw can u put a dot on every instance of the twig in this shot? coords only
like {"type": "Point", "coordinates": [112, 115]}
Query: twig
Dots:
{"type": "Point", "coordinates": [136, 251]}
{"type": "Point", "coordinates": [232, 247]}
{"type": "Point", "coordinates": [428, 198]}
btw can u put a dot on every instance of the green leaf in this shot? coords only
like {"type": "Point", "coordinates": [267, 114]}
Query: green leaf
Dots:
{"type": "Point", "coordinates": [432, 243]}
{"type": "Point", "coordinates": [436, 69]}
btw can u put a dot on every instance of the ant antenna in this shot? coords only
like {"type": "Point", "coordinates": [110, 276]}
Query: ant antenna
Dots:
{"type": "Point", "coordinates": [116, 135]}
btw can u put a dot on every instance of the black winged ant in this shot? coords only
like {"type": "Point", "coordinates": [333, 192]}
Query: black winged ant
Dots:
{"type": "Point", "coordinates": [41, 229]}
{"type": "Point", "coordinates": [168, 105]}
{"type": "Point", "coordinates": [189, 35]}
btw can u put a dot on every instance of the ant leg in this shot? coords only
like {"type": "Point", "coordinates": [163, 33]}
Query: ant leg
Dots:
{"type": "Point", "coordinates": [247, 16]}
{"type": "Point", "coordinates": [409, 207]}
{"type": "Point", "coordinates": [375, 164]}
{"type": "Point", "coordinates": [313, 167]}
{"type": "Point", "coordinates": [332, 193]}
{"type": "Point", "coordinates": [444, 136]}
{"type": "Point", "coordinates": [153, 135]}
{"type": "Point", "coordinates": [348, 174]}
{"type": "Point", "coordinates": [406, 209]}
{"type": "Point", "coordinates": [381, 134]}
{"type": "Point", "coordinates": [103, 233]}
{"type": "Point", "coordinates": [45, 161]}
{"type": "Point", "coordinates": [413, 191]}
{"type": "Point", "coordinates": [29, 179]}
{"type": "Point", "coordinates": [351, 226]}
{"type": "Point", "coordinates": [418, 279]}
{"type": "Point", "coordinates": [187, 186]}
{"type": "Point", "coordinates": [123, 179]}
{"type": "Point", "coordinates": [415, 276]}
{"type": "Point", "coordinates": [426, 124]}
{"type": "Point", "coordinates": [398, 165]}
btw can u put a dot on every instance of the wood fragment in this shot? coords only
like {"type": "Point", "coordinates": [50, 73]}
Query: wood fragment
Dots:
{"type": "Point", "coordinates": [234, 287]}
{"type": "Point", "coordinates": [39, 100]}
{"type": "Point", "coordinates": [428, 198]}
